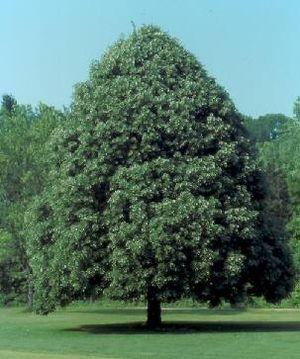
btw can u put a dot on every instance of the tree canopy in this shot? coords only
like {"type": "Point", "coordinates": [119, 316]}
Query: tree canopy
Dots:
{"type": "Point", "coordinates": [285, 152]}
{"type": "Point", "coordinates": [154, 192]}
{"type": "Point", "coordinates": [267, 127]}
{"type": "Point", "coordinates": [23, 134]}
{"type": "Point", "coordinates": [297, 109]}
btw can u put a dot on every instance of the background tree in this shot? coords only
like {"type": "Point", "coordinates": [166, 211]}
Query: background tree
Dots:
{"type": "Point", "coordinates": [297, 109]}
{"type": "Point", "coordinates": [277, 199]}
{"type": "Point", "coordinates": [8, 104]}
{"type": "Point", "coordinates": [154, 193]}
{"type": "Point", "coordinates": [23, 134]}
{"type": "Point", "coordinates": [267, 127]}
{"type": "Point", "coordinates": [285, 152]}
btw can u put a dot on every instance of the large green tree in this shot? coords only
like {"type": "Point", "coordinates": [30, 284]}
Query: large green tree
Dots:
{"type": "Point", "coordinates": [154, 193]}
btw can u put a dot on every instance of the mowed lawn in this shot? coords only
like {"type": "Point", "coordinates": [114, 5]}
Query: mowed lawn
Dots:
{"type": "Point", "coordinates": [91, 331]}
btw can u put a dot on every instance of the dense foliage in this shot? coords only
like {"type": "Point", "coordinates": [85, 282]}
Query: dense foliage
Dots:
{"type": "Point", "coordinates": [23, 133]}
{"type": "Point", "coordinates": [285, 153]}
{"type": "Point", "coordinates": [267, 127]}
{"type": "Point", "coordinates": [154, 192]}
{"type": "Point", "coordinates": [297, 109]}
{"type": "Point", "coordinates": [280, 156]}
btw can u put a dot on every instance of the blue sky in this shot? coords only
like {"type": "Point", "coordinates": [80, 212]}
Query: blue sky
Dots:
{"type": "Point", "coordinates": [251, 47]}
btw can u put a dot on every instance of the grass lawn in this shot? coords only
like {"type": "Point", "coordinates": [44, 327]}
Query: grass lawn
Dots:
{"type": "Point", "coordinates": [91, 332]}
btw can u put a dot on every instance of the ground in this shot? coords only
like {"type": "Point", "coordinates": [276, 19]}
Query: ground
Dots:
{"type": "Point", "coordinates": [93, 331]}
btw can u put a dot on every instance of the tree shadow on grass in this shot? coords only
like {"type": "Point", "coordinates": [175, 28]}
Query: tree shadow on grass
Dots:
{"type": "Point", "coordinates": [188, 327]}
{"type": "Point", "coordinates": [142, 311]}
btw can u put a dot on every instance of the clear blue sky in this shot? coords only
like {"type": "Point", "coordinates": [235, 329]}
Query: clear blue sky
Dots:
{"type": "Point", "coordinates": [251, 47]}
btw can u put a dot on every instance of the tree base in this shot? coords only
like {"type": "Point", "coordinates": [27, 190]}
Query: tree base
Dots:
{"type": "Point", "coordinates": [153, 314]}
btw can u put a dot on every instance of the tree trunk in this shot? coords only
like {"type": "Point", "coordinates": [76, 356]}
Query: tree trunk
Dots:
{"type": "Point", "coordinates": [30, 295]}
{"type": "Point", "coordinates": [153, 311]}
{"type": "Point", "coordinates": [30, 289]}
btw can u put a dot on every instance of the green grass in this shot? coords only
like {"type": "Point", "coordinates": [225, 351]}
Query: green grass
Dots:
{"type": "Point", "coordinates": [92, 331]}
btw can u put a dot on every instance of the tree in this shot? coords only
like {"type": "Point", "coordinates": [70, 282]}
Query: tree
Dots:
{"type": "Point", "coordinates": [154, 193]}
{"type": "Point", "coordinates": [23, 134]}
{"type": "Point", "coordinates": [8, 103]}
{"type": "Point", "coordinates": [297, 109]}
{"type": "Point", "coordinates": [267, 127]}
{"type": "Point", "coordinates": [279, 156]}
{"type": "Point", "coordinates": [277, 204]}
{"type": "Point", "coordinates": [285, 152]}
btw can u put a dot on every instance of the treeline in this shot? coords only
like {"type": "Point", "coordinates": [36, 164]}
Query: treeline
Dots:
{"type": "Point", "coordinates": [25, 158]}
{"type": "Point", "coordinates": [277, 139]}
